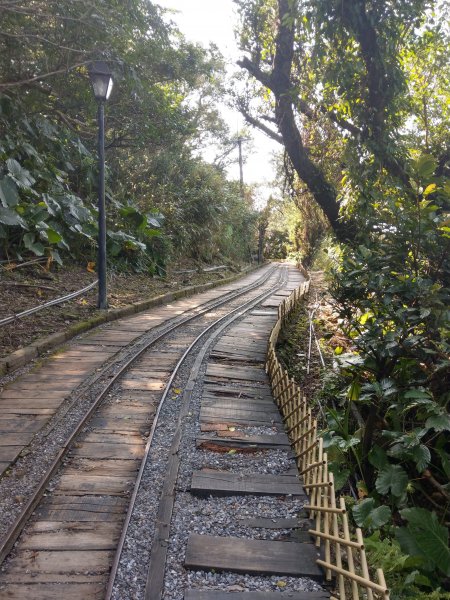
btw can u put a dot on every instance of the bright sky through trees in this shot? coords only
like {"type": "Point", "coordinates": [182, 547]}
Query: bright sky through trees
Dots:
{"type": "Point", "coordinates": [207, 21]}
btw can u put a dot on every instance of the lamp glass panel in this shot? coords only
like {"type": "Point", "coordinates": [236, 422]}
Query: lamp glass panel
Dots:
{"type": "Point", "coordinates": [101, 83]}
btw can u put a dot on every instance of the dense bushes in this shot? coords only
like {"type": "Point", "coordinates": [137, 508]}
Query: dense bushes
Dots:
{"type": "Point", "coordinates": [391, 289]}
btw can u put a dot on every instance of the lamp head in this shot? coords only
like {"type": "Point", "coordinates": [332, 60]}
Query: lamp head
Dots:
{"type": "Point", "coordinates": [101, 80]}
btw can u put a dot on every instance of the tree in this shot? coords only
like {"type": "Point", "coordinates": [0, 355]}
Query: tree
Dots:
{"type": "Point", "coordinates": [339, 63]}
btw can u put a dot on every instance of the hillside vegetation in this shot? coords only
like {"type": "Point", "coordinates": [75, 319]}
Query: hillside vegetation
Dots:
{"type": "Point", "coordinates": [163, 201]}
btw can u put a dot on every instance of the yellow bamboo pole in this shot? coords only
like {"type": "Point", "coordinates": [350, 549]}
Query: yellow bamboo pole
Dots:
{"type": "Point", "coordinates": [366, 583]}
{"type": "Point", "coordinates": [363, 560]}
{"type": "Point", "coordinates": [350, 562]}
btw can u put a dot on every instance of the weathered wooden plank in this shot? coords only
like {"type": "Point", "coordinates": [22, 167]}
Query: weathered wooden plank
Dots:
{"type": "Point", "coordinates": [4, 466]}
{"type": "Point", "coordinates": [249, 416]}
{"type": "Point", "coordinates": [17, 393]}
{"type": "Point", "coordinates": [90, 503]}
{"type": "Point", "coordinates": [18, 410]}
{"type": "Point", "coordinates": [44, 535]}
{"type": "Point", "coordinates": [93, 484]}
{"type": "Point", "coordinates": [239, 555]}
{"type": "Point", "coordinates": [9, 453]}
{"type": "Point", "coordinates": [123, 423]}
{"type": "Point", "coordinates": [53, 591]}
{"type": "Point", "coordinates": [142, 384]}
{"type": "Point", "coordinates": [278, 441]}
{"type": "Point", "coordinates": [129, 411]}
{"type": "Point", "coordinates": [224, 483]}
{"type": "Point", "coordinates": [15, 439]}
{"type": "Point", "coordinates": [33, 578]}
{"type": "Point", "coordinates": [53, 403]}
{"type": "Point", "coordinates": [220, 595]}
{"type": "Point", "coordinates": [233, 372]}
{"type": "Point", "coordinates": [263, 406]}
{"type": "Point", "coordinates": [108, 451]}
{"type": "Point", "coordinates": [218, 420]}
{"type": "Point", "coordinates": [259, 393]}
{"type": "Point", "coordinates": [118, 437]}
{"type": "Point", "coordinates": [81, 516]}
{"type": "Point", "coordinates": [25, 424]}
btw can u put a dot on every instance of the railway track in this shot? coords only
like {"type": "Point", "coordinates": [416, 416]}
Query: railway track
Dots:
{"type": "Point", "coordinates": [73, 522]}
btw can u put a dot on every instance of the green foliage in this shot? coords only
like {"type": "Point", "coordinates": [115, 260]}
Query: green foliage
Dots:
{"type": "Point", "coordinates": [404, 572]}
{"type": "Point", "coordinates": [162, 201]}
{"type": "Point", "coordinates": [426, 538]}
{"type": "Point", "coordinates": [391, 286]}
{"type": "Point", "coordinates": [367, 515]}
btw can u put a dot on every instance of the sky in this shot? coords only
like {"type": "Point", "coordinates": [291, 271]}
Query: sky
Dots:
{"type": "Point", "coordinates": [206, 21]}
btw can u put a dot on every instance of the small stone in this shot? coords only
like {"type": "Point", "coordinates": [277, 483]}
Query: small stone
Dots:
{"type": "Point", "coordinates": [235, 588]}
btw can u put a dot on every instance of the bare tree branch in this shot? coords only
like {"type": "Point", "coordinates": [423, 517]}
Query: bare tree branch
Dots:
{"type": "Point", "coordinates": [10, 84]}
{"type": "Point", "coordinates": [269, 132]}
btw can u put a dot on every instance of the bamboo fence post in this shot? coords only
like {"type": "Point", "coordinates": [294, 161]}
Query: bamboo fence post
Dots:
{"type": "Point", "coordinates": [363, 560]}
{"type": "Point", "coordinates": [351, 566]}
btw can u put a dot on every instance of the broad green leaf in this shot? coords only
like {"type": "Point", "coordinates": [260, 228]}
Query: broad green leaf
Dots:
{"type": "Point", "coordinates": [426, 537]}
{"type": "Point", "coordinates": [445, 459]}
{"type": "Point", "coordinates": [56, 256]}
{"type": "Point", "coordinates": [9, 195]}
{"type": "Point", "coordinates": [370, 517]}
{"type": "Point", "coordinates": [426, 166]}
{"type": "Point", "coordinates": [30, 243]}
{"type": "Point", "coordinates": [422, 457]}
{"type": "Point", "coordinates": [52, 204]}
{"type": "Point", "coordinates": [392, 479]}
{"type": "Point", "coordinates": [10, 217]}
{"type": "Point", "coordinates": [417, 393]}
{"type": "Point", "coordinates": [341, 474]}
{"type": "Point", "coordinates": [354, 391]}
{"type": "Point", "coordinates": [21, 176]}
{"type": "Point", "coordinates": [418, 578]}
{"type": "Point", "coordinates": [377, 457]}
{"type": "Point", "coordinates": [438, 422]}
{"type": "Point", "coordinates": [53, 236]}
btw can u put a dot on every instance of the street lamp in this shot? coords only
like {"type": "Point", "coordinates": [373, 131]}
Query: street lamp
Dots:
{"type": "Point", "coordinates": [102, 83]}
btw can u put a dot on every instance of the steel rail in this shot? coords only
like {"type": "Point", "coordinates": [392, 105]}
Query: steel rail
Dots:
{"type": "Point", "coordinates": [60, 300]}
{"type": "Point", "coordinates": [14, 531]}
{"type": "Point", "coordinates": [249, 304]}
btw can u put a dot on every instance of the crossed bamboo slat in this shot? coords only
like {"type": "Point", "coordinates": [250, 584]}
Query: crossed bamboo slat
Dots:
{"type": "Point", "coordinates": [343, 558]}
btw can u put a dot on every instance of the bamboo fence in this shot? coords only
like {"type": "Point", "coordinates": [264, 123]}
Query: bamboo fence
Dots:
{"type": "Point", "coordinates": [343, 559]}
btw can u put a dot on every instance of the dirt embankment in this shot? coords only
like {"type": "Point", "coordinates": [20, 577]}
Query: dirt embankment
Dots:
{"type": "Point", "coordinates": [22, 288]}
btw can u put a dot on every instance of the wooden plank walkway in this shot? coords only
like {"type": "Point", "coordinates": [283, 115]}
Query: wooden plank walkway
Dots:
{"type": "Point", "coordinates": [237, 398]}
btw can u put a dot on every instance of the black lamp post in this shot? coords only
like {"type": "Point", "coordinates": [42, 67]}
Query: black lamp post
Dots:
{"type": "Point", "coordinates": [102, 83]}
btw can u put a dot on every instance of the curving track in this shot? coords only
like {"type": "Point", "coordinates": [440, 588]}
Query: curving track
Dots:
{"type": "Point", "coordinates": [72, 523]}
